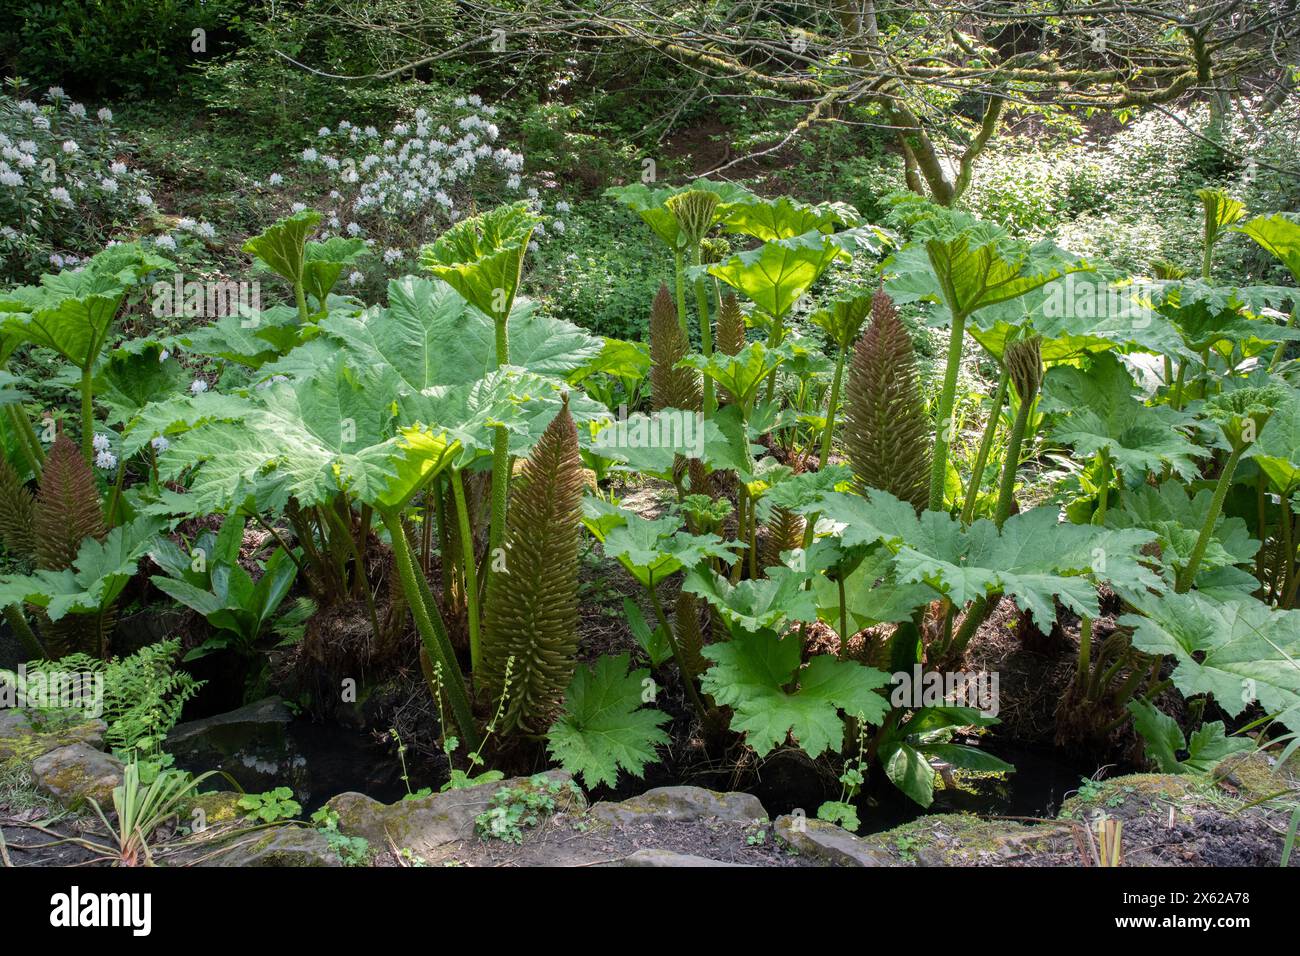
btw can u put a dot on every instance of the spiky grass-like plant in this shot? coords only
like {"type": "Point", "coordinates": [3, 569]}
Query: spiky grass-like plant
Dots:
{"type": "Point", "coordinates": [671, 387]}
{"type": "Point", "coordinates": [886, 430]}
{"type": "Point", "coordinates": [532, 605]}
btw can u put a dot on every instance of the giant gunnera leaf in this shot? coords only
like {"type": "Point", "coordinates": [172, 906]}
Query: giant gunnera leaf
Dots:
{"type": "Point", "coordinates": [1034, 559]}
{"type": "Point", "coordinates": [604, 728]}
{"type": "Point", "coordinates": [750, 674]}
{"type": "Point", "coordinates": [1239, 650]}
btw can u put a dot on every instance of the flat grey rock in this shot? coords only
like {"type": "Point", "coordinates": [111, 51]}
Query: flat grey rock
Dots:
{"type": "Point", "coordinates": [288, 846]}
{"type": "Point", "coordinates": [668, 858]}
{"type": "Point", "coordinates": [828, 844]}
{"type": "Point", "coordinates": [674, 804]}
{"type": "Point", "coordinates": [425, 823]}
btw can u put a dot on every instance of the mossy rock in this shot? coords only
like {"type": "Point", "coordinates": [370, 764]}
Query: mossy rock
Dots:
{"type": "Point", "coordinates": [281, 846]}
{"type": "Point", "coordinates": [1121, 796]}
{"type": "Point", "coordinates": [22, 741]}
{"type": "Point", "coordinates": [76, 774]}
{"type": "Point", "coordinates": [426, 823]}
{"type": "Point", "coordinates": [217, 807]}
{"type": "Point", "coordinates": [961, 839]}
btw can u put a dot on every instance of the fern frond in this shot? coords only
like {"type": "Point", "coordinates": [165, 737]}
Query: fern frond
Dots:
{"type": "Point", "coordinates": [532, 606]}
{"type": "Point", "coordinates": [886, 428]}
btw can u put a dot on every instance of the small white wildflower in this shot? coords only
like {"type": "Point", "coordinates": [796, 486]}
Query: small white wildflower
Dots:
{"type": "Point", "coordinates": [10, 178]}
{"type": "Point", "coordinates": [77, 110]}
{"type": "Point", "coordinates": [353, 229]}
{"type": "Point", "coordinates": [391, 256]}
{"type": "Point", "coordinates": [159, 444]}
{"type": "Point", "coordinates": [106, 460]}
{"type": "Point", "coordinates": [562, 206]}
{"type": "Point", "coordinates": [41, 121]}
{"type": "Point", "coordinates": [275, 179]}
{"type": "Point", "coordinates": [323, 131]}
{"type": "Point", "coordinates": [198, 386]}
{"type": "Point", "coordinates": [558, 226]}
{"type": "Point", "coordinates": [298, 207]}
{"type": "Point", "coordinates": [310, 155]}
{"type": "Point", "coordinates": [164, 355]}
{"type": "Point", "coordinates": [61, 196]}
{"type": "Point", "coordinates": [206, 230]}
{"type": "Point", "coordinates": [108, 185]}
{"type": "Point", "coordinates": [70, 146]}
{"type": "Point", "coordinates": [355, 278]}
{"type": "Point", "coordinates": [55, 93]}
{"type": "Point", "coordinates": [27, 106]}
{"type": "Point", "coordinates": [100, 442]}
{"type": "Point", "coordinates": [105, 115]}
{"type": "Point", "coordinates": [165, 242]}
{"type": "Point", "coordinates": [142, 198]}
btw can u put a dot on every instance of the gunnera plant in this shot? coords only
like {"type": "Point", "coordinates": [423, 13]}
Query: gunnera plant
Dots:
{"type": "Point", "coordinates": [731, 333]}
{"type": "Point", "coordinates": [531, 617]}
{"type": "Point", "coordinates": [785, 532]}
{"type": "Point", "coordinates": [17, 513]}
{"type": "Point", "coordinates": [671, 387]}
{"type": "Point", "coordinates": [886, 429]}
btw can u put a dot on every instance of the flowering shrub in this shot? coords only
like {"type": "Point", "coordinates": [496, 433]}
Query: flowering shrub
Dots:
{"type": "Point", "coordinates": [397, 189]}
{"type": "Point", "coordinates": [65, 185]}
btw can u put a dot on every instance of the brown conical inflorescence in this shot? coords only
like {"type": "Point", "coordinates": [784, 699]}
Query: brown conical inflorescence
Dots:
{"type": "Point", "coordinates": [886, 428]}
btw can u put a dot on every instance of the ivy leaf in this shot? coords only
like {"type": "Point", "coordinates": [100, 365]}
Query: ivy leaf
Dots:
{"type": "Point", "coordinates": [755, 605]}
{"type": "Point", "coordinates": [1238, 650]}
{"type": "Point", "coordinates": [1164, 740]}
{"type": "Point", "coordinates": [603, 728]}
{"type": "Point", "coordinates": [750, 673]}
